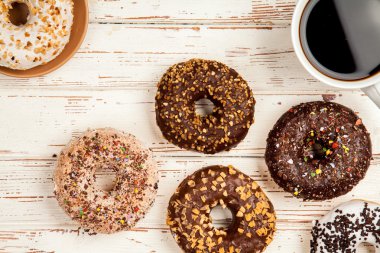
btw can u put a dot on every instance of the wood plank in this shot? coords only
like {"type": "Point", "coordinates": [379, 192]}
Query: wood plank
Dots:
{"type": "Point", "coordinates": [27, 184]}
{"type": "Point", "coordinates": [41, 122]}
{"type": "Point", "coordinates": [29, 211]}
{"type": "Point", "coordinates": [67, 240]}
{"type": "Point", "coordinates": [191, 12]}
{"type": "Point", "coordinates": [122, 56]}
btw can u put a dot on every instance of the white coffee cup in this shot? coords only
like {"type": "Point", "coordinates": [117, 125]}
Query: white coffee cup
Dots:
{"type": "Point", "coordinates": [370, 85]}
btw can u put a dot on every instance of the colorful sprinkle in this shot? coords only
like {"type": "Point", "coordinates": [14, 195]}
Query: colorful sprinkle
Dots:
{"type": "Point", "coordinates": [345, 149]}
{"type": "Point", "coordinates": [358, 122]}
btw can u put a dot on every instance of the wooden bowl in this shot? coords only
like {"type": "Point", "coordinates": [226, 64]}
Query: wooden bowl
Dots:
{"type": "Point", "coordinates": [78, 33]}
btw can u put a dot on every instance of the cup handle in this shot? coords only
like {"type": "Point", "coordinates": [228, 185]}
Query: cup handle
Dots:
{"type": "Point", "coordinates": [373, 92]}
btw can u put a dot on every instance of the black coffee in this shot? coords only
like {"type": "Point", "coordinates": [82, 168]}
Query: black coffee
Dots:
{"type": "Point", "coordinates": [341, 38]}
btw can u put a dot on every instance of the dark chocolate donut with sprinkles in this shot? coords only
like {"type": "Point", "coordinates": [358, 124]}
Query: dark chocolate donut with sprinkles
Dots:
{"type": "Point", "coordinates": [318, 150]}
{"type": "Point", "coordinates": [346, 227]}
{"type": "Point", "coordinates": [189, 211]}
{"type": "Point", "coordinates": [184, 84]}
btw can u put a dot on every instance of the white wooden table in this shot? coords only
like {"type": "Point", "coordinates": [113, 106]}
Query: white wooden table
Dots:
{"type": "Point", "coordinates": [112, 80]}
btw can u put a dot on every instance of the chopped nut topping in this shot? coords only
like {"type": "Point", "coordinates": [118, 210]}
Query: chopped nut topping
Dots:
{"type": "Point", "coordinates": [41, 39]}
{"type": "Point", "coordinates": [189, 216]}
{"type": "Point", "coordinates": [176, 116]}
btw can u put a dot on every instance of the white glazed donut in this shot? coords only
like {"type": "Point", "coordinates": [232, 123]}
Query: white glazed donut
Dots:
{"type": "Point", "coordinates": [346, 227]}
{"type": "Point", "coordinates": [41, 39]}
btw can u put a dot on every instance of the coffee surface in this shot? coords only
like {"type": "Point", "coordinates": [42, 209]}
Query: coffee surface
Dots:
{"type": "Point", "coordinates": [341, 38]}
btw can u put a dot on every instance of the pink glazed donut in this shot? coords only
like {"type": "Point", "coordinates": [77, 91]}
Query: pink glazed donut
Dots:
{"type": "Point", "coordinates": [135, 185]}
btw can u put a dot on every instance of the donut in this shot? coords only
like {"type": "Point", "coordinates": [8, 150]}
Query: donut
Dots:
{"type": "Point", "coordinates": [135, 185]}
{"type": "Point", "coordinates": [184, 84]}
{"type": "Point", "coordinates": [189, 211]}
{"type": "Point", "coordinates": [318, 150]}
{"type": "Point", "coordinates": [346, 227]}
{"type": "Point", "coordinates": [39, 38]}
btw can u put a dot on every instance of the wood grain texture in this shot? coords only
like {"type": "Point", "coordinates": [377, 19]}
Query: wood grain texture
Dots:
{"type": "Point", "coordinates": [111, 82]}
{"type": "Point", "coordinates": [120, 56]}
{"type": "Point", "coordinates": [241, 12]}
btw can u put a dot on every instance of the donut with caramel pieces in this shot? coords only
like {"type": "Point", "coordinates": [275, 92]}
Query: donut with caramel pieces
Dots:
{"type": "Point", "coordinates": [190, 222]}
{"type": "Point", "coordinates": [184, 84]}
{"type": "Point", "coordinates": [33, 32]}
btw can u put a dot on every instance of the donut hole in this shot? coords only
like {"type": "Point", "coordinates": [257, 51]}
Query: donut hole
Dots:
{"type": "Point", "coordinates": [19, 13]}
{"type": "Point", "coordinates": [319, 150]}
{"type": "Point", "coordinates": [319, 147]}
{"type": "Point", "coordinates": [204, 107]}
{"type": "Point", "coordinates": [221, 217]}
{"type": "Point", "coordinates": [105, 178]}
{"type": "Point", "coordinates": [366, 248]}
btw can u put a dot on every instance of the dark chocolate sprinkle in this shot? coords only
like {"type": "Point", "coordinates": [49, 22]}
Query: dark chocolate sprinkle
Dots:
{"type": "Point", "coordinates": [345, 231]}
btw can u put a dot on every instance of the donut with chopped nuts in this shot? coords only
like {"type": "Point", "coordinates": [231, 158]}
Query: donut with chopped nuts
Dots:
{"type": "Point", "coordinates": [318, 150]}
{"type": "Point", "coordinates": [346, 227]}
{"type": "Point", "coordinates": [184, 84]}
{"type": "Point", "coordinates": [189, 211]}
{"type": "Point", "coordinates": [135, 185]}
{"type": "Point", "coordinates": [34, 32]}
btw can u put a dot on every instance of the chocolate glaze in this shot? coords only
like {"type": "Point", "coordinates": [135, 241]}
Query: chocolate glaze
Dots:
{"type": "Point", "coordinates": [184, 84]}
{"type": "Point", "coordinates": [189, 212]}
{"type": "Point", "coordinates": [318, 150]}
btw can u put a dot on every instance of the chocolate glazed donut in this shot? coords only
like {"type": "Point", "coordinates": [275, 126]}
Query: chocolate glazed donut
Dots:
{"type": "Point", "coordinates": [318, 150]}
{"type": "Point", "coordinates": [184, 84]}
{"type": "Point", "coordinates": [190, 207]}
